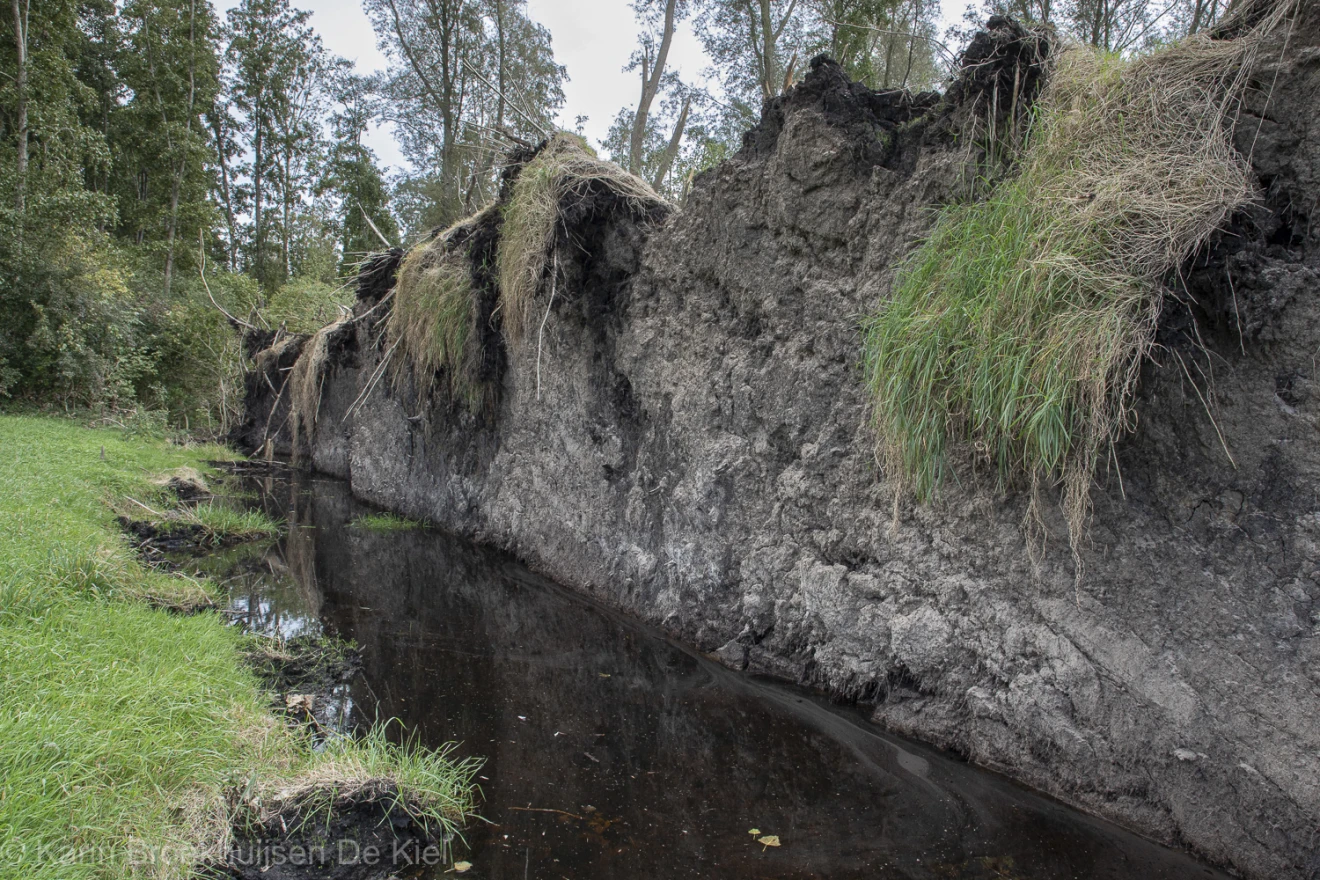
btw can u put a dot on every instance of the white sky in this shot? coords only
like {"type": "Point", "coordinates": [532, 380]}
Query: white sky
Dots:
{"type": "Point", "coordinates": [592, 38]}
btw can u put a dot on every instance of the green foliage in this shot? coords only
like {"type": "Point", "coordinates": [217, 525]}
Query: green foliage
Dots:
{"type": "Point", "coordinates": [432, 320]}
{"type": "Point", "coordinates": [352, 173]}
{"type": "Point", "coordinates": [886, 44]}
{"type": "Point", "coordinates": [162, 55]}
{"type": "Point", "coordinates": [386, 522]}
{"type": "Point", "coordinates": [197, 374]}
{"type": "Point", "coordinates": [462, 72]}
{"type": "Point", "coordinates": [432, 787]}
{"type": "Point", "coordinates": [305, 305]}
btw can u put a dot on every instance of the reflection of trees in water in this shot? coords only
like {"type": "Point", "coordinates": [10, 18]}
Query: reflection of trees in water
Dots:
{"type": "Point", "coordinates": [276, 592]}
{"type": "Point", "coordinates": [300, 550]}
{"type": "Point", "coordinates": [270, 598]}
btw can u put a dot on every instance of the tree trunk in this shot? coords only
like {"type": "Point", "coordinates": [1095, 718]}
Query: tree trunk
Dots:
{"type": "Point", "coordinates": [218, 127]}
{"type": "Point", "coordinates": [287, 212]}
{"type": "Point", "coordinates": [671, 151]}
{"type": "Point", "coordinates": [499, 29]}
{"type": "Point", "coordinates": [181, 168]}
{"type": "Point", "coordinates": [20, 89]}
{"type": "Point", "coordinates": [258, 175]}
{"type": "Point", "coordinates": [767, 51]}
{"type": "Point", "coordinates": [650, 88]}
{"type": "Point", "coordinates": [173, 227]}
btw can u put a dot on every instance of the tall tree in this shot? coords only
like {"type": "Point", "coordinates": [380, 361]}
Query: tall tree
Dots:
{"type": "Point", "coordinates": [168, 63]}
{"type": "Point", "coordinates": [753, 43]}
{"type": "Point", "coordinates": [22, 16]}
{"type": "Point", "coordinates": [224, 129]}
{"type": "Point", "coordinates": [463, 75]}
{"type": "Point", "coordinates": [58, 293]}
{"type": "Point", "coordinates": [269, 49]}
{"type": "Point", "coordinates": [352, 175]}
{"type": "Point", "coordinates": [884, 43]}
{"type": "Point", "coordinates": [297, 138]}
{"type": "Point", "coordinates": [650, 60]}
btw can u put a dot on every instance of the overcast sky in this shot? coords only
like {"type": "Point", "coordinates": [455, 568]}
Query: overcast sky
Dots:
{"type": "Point", "coordinates": [592, 38]}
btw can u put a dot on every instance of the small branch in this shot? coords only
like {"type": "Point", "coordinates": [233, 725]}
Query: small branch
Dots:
{"type": "Point", "coordinates": [545, 810]}
{"type": "Point", "coordinates": [385, 241]}
{"type": "Point", "coordinates": [940, 47]}
{"type": "Point", "coordinates": [201, 246]}
{"type": "Point", "coordinates": [155, 513]}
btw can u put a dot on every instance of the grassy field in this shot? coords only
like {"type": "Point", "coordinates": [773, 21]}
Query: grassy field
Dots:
{"type": "Point", "coordinates": [122, 727]}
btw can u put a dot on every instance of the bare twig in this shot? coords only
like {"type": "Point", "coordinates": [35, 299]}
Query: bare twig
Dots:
{"type": "Point", "coordinates": [385, 241]}
{"type": "Point", "coordinates": [201, 242]}
{"type": "Point", "coordinates": [527, 117]}
{"type": "Point", "coordinates": [546, 810]}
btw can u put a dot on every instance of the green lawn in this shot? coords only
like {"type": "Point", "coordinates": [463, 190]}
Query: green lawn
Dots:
{"type": "Point", "coordinates": [121, 726]}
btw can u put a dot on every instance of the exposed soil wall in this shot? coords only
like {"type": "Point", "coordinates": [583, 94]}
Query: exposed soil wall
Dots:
{"type": "Point", "coordinates": [687, 439]}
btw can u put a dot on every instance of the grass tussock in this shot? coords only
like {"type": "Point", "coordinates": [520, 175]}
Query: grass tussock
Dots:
{"type": "Point", "coordinates": [222, 523]}
{"type": "Point", "coordinates": [386, 522]}
{"type": "Point", "coordinates": [566, 167]}
{"type": "Point", "coordinates": [432, 787]}
{"type": "Point", "coordinates": [124, 731]}
{"type": "Point", "coordinates": [1017, 330]}
{"type": "Point", "coordinates": [433, 319]}
{"type": "Point", "coordinates": [210, 523]}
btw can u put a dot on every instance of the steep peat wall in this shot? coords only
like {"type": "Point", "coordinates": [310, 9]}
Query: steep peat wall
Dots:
{"type": "Point", "coordinates": [684, 435]}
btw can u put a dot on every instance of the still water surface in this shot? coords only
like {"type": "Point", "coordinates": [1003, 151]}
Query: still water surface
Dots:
{"type": "Point", "coordinates": [613, 753]}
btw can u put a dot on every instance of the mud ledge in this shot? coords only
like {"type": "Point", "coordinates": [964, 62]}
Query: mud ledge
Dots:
{"type": "Point", "coordinates": [366, 837]}
{"type": "Point", "coordinates": [695, 452]}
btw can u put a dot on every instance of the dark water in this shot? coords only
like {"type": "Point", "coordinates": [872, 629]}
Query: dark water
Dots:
{"type": "Point", "coordinates": [613, 753]}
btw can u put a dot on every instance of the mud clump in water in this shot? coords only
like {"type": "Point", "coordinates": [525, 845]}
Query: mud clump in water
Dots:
{"type": "Point", "coordinates": [357, 833]}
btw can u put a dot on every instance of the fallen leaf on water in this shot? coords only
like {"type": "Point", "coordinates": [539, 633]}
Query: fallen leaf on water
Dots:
{"type": "Point", "coordinates": [754, 831]}
{"type": "Point", "coordinates": [462, 867]}
{"type": "Point", "coordinates": [769, 840]}
{"type": "Point", "coordinates": [300, 701]}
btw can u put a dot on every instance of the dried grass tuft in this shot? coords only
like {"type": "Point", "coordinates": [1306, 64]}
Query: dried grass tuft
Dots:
{"type": "Point", "coordinates": [1019, 327]}
{"type": "Point", "coordinates": [306, 381]}
{"type": "Point", "coordinates": [566, 167]}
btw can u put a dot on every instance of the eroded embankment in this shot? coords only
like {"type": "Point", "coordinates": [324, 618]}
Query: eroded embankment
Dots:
{"type": "Point", "coordinates": [684, 434]}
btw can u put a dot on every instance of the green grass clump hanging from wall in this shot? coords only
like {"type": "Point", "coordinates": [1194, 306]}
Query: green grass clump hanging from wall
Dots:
{"type": "Point", "coordinates": [1016, 331]}
{"type": "Point", "coordinates": [433, 317]}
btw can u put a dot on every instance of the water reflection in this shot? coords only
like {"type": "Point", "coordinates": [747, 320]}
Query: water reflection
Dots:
{"type": "Point", "coordinates": [613, 753]}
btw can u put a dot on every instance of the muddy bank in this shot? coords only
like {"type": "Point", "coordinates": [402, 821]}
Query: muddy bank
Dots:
{"type": "Point", "coordinates": [331, 826]}
{"type": "Point", "coordinates": [687, 441]}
